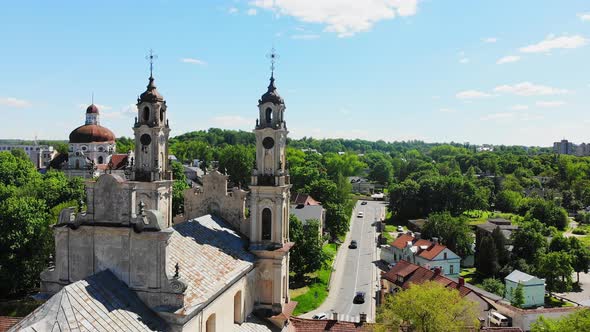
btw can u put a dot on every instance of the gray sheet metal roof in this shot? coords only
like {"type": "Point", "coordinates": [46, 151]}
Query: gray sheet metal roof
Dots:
{"type": "Point", "coordinates": [100, 302]}
{"type": "Point", "coordinates": [210, 255]}
{"type": "Point", "coordinates": [517, 276]}
{"type": "Point", "coordinates": [307, 212]}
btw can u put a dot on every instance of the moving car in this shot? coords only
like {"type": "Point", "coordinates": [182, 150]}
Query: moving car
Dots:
{"type": "Point", "coordinates": [359, 298]}
{"type": "Point", "coordinates": [361, 214]}
{"type": "Point", "coordinates": [352, 244]}
{"type": "Point", "coordinates": [320, 315]}
{"type": "Point", "coordinates": [400, 229]}
{"type": "Point", "coordinates": [364, 203]}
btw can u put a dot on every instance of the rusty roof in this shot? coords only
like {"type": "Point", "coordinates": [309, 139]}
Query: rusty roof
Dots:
{"type": "Point", "coordinates": [432, 251]}
{"type": "Point", "coordinates": [7, 322]}
{"type": "Point", "coordinates": [402, 241]}
{"type": "Point", "coordinates": [210, 256]}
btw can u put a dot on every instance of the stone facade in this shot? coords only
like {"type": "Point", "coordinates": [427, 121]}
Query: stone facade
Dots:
{"type": "Point", "coordinates": [214, 198]}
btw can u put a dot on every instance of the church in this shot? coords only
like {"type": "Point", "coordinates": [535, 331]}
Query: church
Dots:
{"type": "Point", "coordinates": [122, 264]}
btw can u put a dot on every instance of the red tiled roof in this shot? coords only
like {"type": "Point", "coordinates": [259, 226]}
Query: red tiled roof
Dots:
{"type": "Point", "coordinates": [303, 199]}
{"type": "Point", "coordinates": [402, 241]}
{"type": "Point", "coordinates": [119, 160]}
{"type": "Point", "coordinates": [311, 325]}
{"type": "Point", "coordinates": [7, 322]}
{"type": "Point", "coordinates": [414, 274]}
{"type": "Point", "coordinates": [432, 251]}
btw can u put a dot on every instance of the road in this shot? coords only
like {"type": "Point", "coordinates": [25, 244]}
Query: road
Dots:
{"type": "Point", "coordinates": [355, 269]}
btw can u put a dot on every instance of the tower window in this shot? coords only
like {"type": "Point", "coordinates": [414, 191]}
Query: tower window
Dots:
{"type": "Point", "coordinates": [162, 115]}
{"type": "Point", "coordinates": [100, 160]}
{"type": "Point", "coordinates": [268, 115]}
{"type": "Point", "coordinates": [266, 224]}
{"type": "Point", "coordinates": [146, 113]}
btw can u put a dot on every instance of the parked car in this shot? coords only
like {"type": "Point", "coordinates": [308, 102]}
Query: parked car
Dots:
{"type": "Point", "coordinates": [352, 244]}
{"type": "Point", "coordinates": [400, 229]}
{"type": "Point", "coordinates": [364, 203]}
{"type": "Point", "coordinates": [320, 315]}
{"type": "Point", "coordinates": [361, 214]}
{"type": "Point", "coordinates": [359, 298]}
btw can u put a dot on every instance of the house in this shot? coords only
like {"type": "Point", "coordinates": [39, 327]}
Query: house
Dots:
{"type": "Point", "coordinates": [404, 273]}
{"type": "Point", "coordinates": [306, 208]}
{"type": "Point", "coordinates": [303, 199]}
{"type": "Point", "coordinates": [429, 254]}
{"type": "Point", "coordinates": [364, 186]}
{"type": "Point", "coordinates": [533, 288]}
{"type": "Point", "coordinates": [487, 228]}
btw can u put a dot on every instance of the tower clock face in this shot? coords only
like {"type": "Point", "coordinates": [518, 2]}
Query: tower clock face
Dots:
{"type": "Point", "coordinates": [268, 143]}
{"type": "Point", "coordinates": [145, 139]}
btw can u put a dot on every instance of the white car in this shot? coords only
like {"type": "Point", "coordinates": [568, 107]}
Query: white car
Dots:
{"type": "Point", "coordinates": [360, 215]}
{"type": "Point", "coordinates": [320, 315]}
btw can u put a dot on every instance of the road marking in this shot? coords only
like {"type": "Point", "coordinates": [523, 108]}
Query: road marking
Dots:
{"type": "Point", "coordinates": [358, 260]}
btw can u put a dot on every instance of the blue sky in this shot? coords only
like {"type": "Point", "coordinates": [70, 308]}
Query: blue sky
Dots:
{"type": "Point", "coordinates": [500, 72]}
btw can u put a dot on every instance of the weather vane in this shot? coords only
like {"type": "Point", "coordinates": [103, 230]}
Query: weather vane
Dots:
{"type": "Point", "coordinates": [273, 56]}
{"type": "Point", "coordinates": [151, 56]}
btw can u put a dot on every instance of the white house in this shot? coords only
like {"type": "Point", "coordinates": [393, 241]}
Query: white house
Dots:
{"type": "Point", "coordinates": [533, 288]}
{"type": "Point", "coordinates": [429, 254]}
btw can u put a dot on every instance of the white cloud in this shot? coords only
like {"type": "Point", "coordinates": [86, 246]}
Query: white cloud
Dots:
{"type": "Point", "coordinates": [306, 36]}
{"type": "Point", "coordinates": [584, 16]}
{"type": "Point", "coordinates": [531, 117]}
{"type": "Point", "coordinates": [232, 10]}
{"type": "Point", "coordinates": [519, 107]}
{"type": "Point", "coordinates": [529, 89]}
{"type": "Point", "coordinates": [497, 116]}
{"type": "Point", "coordinates": [14, 102]}
{"type": "Point", "coordinates": [100, 107]}
{"type": "Point", "coordinates": [464, 60]}
{"type": "Point", "coordinates": [490, 40]}
{"type": "Point", "coordinates": [472, 94]}
{"type": "Point", "coordinates": [447, 110]}
{"type": "Point", "coordinates": [231, 121]}
{"type": "Point", "coordinates": [508, 59]}
{"type": "Point", "coordinates": [343, 17]}
{"type": "Point", "coordinates": [193, 61]}
{"type": "Point", "coordinates": [551, 42]}
{"type": "Point", "coordinates": [548, 104]}
{"type": "Point", "coordinates": [252, 12]}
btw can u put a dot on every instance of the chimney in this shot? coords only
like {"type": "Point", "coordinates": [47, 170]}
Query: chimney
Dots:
{"type": "Point", "coordinates": [417, 235]}
{"type": "Point", "coordinates": [435, 240]}
{"type": "Point", "coordinates": [461, 281]}
{"type": "Point", "coordinates": [363, 318]}
{"type": "Point", "coordinates": [335, 316]}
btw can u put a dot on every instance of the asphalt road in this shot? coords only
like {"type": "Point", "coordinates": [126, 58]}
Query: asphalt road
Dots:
{"type": "Point", "coordinates": [355, 269]}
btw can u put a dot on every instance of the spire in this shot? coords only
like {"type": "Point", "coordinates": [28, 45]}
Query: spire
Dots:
{"type": "Point", "coordinates": [271, 94]}
{"type": "Point", "coordinates": [151, 94]}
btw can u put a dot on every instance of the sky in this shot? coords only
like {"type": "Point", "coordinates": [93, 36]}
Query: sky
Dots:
{"type": "Point", "coordinates": [496, 72]}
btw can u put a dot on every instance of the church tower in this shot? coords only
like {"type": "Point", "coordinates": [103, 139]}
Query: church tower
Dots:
{"type": "Point", "coordinates": [151, 135]}
{"type": "Point", "coordinates": [269, 210]}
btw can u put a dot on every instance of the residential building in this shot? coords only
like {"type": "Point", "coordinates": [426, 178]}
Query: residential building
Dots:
{"type": "Point", "coordinates": [429, 254]}
{"type": "Point", "coordinates": [40, 155]}
{"type": "Point", "coordinates": [533, 288]}
{"type": "Point", "coordinates": [563, 147]}
{"type": "Point", "coordinates": [364, 186]}
{"type": "Point", "coordinates": [303, 199]}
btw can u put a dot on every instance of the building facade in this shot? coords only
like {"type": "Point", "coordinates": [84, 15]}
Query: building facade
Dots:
{"type": "Point", "coordinates": [533, 288]}
{"type": "Point", "coordinates": [40, 155]}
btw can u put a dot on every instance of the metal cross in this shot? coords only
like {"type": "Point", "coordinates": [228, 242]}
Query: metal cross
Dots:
{"type": "Point", "coordinates": [273, 56]}
{"type": "Point", "coordinates": [151, 56]}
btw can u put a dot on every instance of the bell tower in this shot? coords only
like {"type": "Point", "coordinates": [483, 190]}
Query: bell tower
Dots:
{"type": "Point", "coordinates": [151, 134]}
{"type": "Point", "coordinates": [269, 199]}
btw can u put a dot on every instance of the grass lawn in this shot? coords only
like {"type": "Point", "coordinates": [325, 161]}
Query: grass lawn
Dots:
{"type": "Point", "coordinates": [471, 276]}
{"type": "Point", "coordinates": [18, 308]}
{"type": "Point", "coordinates": [311, 295]}
{"type": "Point", "coordinates": [552, 302]}
{"type": "Point", "coordinates": [477, 217]}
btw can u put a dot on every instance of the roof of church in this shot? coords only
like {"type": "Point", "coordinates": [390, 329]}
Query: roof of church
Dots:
{"type": "Point", "coordinates": [210, 256]}
{"type": "Point", "coordinates": [271, 95]}
{"type": "Point", "coordinates": [151, 94]}
{"type": "Point", "coordinates": [99, 302]}
{"type": "Point", "coordinates": [92, 109]}
{"type": "Point", "coordinates": [91, 133]}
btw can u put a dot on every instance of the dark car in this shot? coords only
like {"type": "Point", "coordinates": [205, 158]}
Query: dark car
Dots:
{"type": "Point", "coordinates": [364, 203]}
{"type": "Point", "coordinates": [359, 298]}
{"type": "Point", "coordinates": [352, 244]}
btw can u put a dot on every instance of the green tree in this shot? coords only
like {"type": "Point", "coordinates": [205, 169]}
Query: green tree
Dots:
{"type": "Point", "coordinates": [500, 244]}
{"type": "Point", "coordinates": [508, 201]}
{"type": "Point", "coordinates": [453, 232]}
{"type": "Point", "coordinates": [429, 307]}
{"type": "Point", "coordinates": [178, 187]}
{"type": "Point", "coordinates": [487, 257]}
{"type": "Point", "coordinates": [528, 241]}
{"type": "Point", "coordinates": [580, 260]}
{"type": "Point", "coordinates": [517, 296]}
{"type": "Point", "coordinates": [556, 268]}
{"type": "Point", "coordinates": [24, 243]}
{"type": "Point", "coordinates": [577, 321]}
{"type": "Point", "coordinates": [236, 161]}
{"type": "Point", "coordinates": [493, 285]}
{"type": "Point", "coordinates": [307, 255]}
{"type": "Point", "coordinates": [337, 220]}
{"type": "Point", "coordinates": [382, 171]}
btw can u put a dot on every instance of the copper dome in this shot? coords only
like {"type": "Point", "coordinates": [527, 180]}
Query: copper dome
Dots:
{"type": "Point", "coordinates": [92, 109]}
{"type": "Point", "coordinates": [91, 133]}
{"type": "Point", "coordinates": [271, 95]}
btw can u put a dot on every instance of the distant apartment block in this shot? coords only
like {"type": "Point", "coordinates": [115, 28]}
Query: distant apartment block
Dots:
{"type": "Point", "coordinates": [40, 155]}
{"type": "Point", "coordinates": [566, 147]}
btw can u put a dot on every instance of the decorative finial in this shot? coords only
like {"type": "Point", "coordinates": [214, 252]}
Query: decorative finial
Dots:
{"type": "Point", "coordinates": [142, 208]}
{"type": "Point", "coordinates": [92, 99]}
{"type": "Point", "coordinates": [273, 56]}
{"type": "Point", "coordinates": [176, 271]}
{"type": "Point", "coordinates": [151, 57]}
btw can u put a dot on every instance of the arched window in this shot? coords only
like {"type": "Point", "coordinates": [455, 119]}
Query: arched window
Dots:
{"type": "Point", "coordinates": [238, 307]}
{"type": "Point", "coordinates": [161, 115]}
{"type": "Point", "coordinates": [266, 224]}
{"type": "Point", "coordinates": [100, 160]}
{"type": "Point", "coordinates": [210, 325]}
{"type": "Point", "coordinates": [268, 115]}
{"type": "Point", "coordinates": [146, 113]}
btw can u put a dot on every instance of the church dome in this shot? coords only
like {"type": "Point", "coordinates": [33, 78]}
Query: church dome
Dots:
{"type": "Point", "coordinates": [272, 95]}
{"type": "Point", "coordinates": [151, 95]}
{"type": "Point", "coordinates": [91, 133]}
{"type": "Point", "coordinates": [92, 109]}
